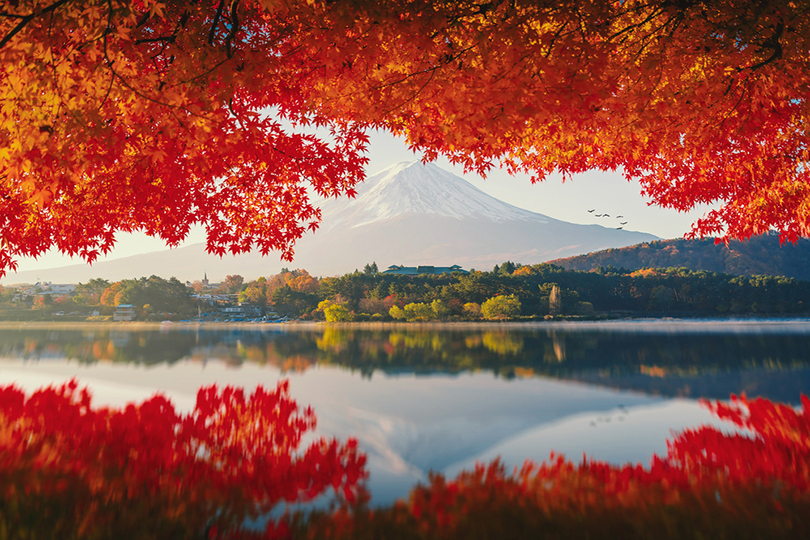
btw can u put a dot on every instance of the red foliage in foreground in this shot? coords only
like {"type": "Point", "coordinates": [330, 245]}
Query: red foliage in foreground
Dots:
{"type": "Point", "coordinates": [710, 485]}
{"type": "Point", "coordinates": [70, 471]}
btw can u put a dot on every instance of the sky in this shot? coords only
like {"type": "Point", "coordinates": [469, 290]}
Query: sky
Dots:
{"type": "Point", "coordinates": [604, 192]}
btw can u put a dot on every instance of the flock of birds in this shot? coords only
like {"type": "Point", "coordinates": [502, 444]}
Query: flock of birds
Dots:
{"type": "Point", "coordinates": [622, 223]}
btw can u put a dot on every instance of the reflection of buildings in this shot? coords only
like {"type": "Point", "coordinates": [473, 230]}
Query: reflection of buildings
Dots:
{"type": "Point", "coordinates": [242, 310]}
{"type": "Point", "coordinates": [124, 312]}
{"type": "Point", "coordinates": [119, 339]}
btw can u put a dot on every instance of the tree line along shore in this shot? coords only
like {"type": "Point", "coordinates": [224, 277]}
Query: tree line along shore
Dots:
{"type": "Point", "coordinates": [509, 291]}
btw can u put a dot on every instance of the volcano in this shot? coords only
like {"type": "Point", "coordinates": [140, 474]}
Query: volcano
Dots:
{"type": "Point", "coordinates": [419, 214]}
{"type": "Point", "coordinates": [408, 214]}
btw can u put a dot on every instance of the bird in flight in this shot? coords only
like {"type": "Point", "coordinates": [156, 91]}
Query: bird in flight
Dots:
{"type": "Point", "coordinates": [606, 215]}
{"type": "Point", "coordinates": [619, 217]}
{"type": "Point", "coordinates": [591, 211]}
{"type": "Point", "coordinates": [623, 223]}
{"type": "Point", "coordinates": [617, 228]}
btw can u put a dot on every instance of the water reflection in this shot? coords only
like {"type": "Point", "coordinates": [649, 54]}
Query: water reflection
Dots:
{"type": "Point", "coordinates": [440, 398]}
{"type": "Point", "coordinates": [675, 359]}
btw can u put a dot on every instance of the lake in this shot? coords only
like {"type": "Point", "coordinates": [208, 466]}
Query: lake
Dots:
{"type": "Point", "coordinates": [441, 397]}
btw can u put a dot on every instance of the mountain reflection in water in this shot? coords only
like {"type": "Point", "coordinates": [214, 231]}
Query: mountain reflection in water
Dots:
{"type": "Point", "coordinates": [686, 359]}
{"type": "Point", "coordinates": [421, 398]}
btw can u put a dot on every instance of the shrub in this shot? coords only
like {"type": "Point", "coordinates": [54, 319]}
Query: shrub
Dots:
{"type": "Point", "coordinates": [440, 309]}
{"type": "Point", "coordinates": [501, 307]}
{"type": "Point", "coordinates": [472, 310]}
{"type": "Point", "coordinates": [336, 313]}
{"type": "Point", "coordinates": [419, 312]}
{"type": "Point", "coordinates": [584, 308]}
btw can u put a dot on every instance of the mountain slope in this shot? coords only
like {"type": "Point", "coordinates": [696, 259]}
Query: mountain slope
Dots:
{"type": "Point", "coordinates": [416, 188]}
{"type": "Point", "coordinates": [412, 214]}
{"type": "Point", "coordinates": [762, 255]}
{"type": "Point", "coordinates": [409, 213]}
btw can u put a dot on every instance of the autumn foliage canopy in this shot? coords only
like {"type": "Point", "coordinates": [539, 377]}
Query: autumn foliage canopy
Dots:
{"type": "Point", "coordinates": [124, 115]}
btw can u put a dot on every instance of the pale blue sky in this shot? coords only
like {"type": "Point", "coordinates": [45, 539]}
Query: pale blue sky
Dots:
{"type": "Point", "coordinates": [606, 192]}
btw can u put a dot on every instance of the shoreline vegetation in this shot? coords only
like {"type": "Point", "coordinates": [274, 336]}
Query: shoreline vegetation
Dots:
{"type": "Point", "coordinates": [510, 292]}
{"type": "Point", "coordinates": [295, 325]}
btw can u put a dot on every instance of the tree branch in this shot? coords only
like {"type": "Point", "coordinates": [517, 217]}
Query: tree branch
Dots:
{"type": "Point", "coordinates": [214, 24]}
{"type": "Point", "coordinates": [28, 18]}
{"type": "Point", "coordinates": [234, 28]}
{"type": "Point", "coordinates": [772, 43]}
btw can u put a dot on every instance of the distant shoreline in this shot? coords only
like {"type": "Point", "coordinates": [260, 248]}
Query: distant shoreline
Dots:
{"type": "Point", "coordinates": [650, 323]}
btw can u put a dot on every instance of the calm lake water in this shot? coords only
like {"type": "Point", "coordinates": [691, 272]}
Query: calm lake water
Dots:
{"type": "Point", "coordinates": [441, 397]}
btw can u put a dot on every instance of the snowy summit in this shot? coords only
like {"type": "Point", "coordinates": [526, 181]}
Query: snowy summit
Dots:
{"type": "Point", "coordinates": [412, 187]}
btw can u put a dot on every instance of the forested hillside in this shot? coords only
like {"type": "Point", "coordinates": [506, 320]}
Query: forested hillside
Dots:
{"type": "Point", "coordinates": [546, 289]}
{"type": "Point", "coordinates": [510, 291]}
{"type": "Point", "coordinates": [762, 255]}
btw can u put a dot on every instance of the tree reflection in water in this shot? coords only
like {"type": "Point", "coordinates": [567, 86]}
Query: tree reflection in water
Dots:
{"type": "Point", "coordinates": [674, 360]}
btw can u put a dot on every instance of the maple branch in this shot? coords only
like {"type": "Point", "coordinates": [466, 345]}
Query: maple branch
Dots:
{"type": "Point", "coordinates": [415, 94]}
{"type": "Point", "coordinates": [28, 18]}
{"type": "Point", "coordinates": [772, 43]}
{"type": "Point", "coordinates": [234, 28]}
{"type": "Point", "coordinates": [215, 22]}
{"type": "Point", "coordinates": [626, 29]}
{"type": "Point", "coordinates": [171, 38]}
{"type": "Point", "coordinates": [554, 38]}
{"type": "Point", "coordinates": [162, 39]}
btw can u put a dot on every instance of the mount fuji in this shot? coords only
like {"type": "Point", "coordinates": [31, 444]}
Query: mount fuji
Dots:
{"type": "Point", "coordinates": [408, 214]}
{"type": "Point", "coordinates": [419, 214]}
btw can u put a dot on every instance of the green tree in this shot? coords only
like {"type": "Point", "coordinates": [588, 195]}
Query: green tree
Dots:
{"type": "Point", "coordinates": [418, 311]}
{"type": "Point", "coordinates": [661, 298]}
{"type": "Point", "coordinates": [164, 295]}
{"type": "Point", "coordinates": [286, 300]}
{"type": "Point", "coordinates": [440, 309]}
{"type": "Point", "coordinates": [397, 313]}
{"type": "Point", "coordinates": [336, 313]}
{"type": "Point", "coordinates": [233, 283]}
{"type": "Point", "coordinates": [255, 292]}
{"type": "Point", "coordinates": [506, 268]}
{"type": "Point", "coordinates": [90, 293]}
{"type": "Point", "coordinates": [556, 299]}
{"type": "Point", "coordinates": [555, 304]}
{"type": "Point", "coordinates": [501, 307]}
{"type": "Point", "coordinates": [472, 310]}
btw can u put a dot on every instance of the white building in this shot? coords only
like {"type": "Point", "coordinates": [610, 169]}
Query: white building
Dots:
{"type": "Point", "coordinates": [124, 312]}
{"type": "Point", "coordinates": [62, 288]}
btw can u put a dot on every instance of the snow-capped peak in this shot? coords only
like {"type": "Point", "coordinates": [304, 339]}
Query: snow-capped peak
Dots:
{"type": "Point", "coordinates": [417, 188]}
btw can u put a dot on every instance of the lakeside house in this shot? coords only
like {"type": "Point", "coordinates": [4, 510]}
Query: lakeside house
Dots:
{"type": "Point", "coordinates": [417, 270]}
{"type": "Point", "coordinates": [124, 312]}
